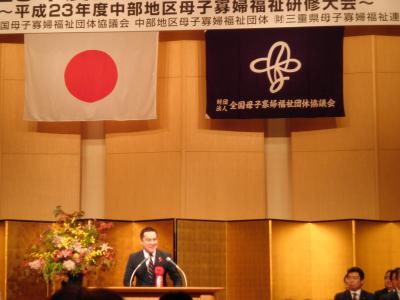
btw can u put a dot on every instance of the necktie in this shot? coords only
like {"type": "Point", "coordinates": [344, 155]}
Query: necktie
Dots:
{"type": "Point", "coordinates": [150, 269]}
{"type": "Point", "coordinates": [354, 296]}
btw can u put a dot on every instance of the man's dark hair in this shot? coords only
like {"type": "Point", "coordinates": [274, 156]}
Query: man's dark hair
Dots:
{"type": "Point", "coordinates": [395, 274]}
{"type": "Point", "coordinates": [176, 296]}
{"type": "Point", "coordinates": [100, 294]}
{"type": "Point", "coordinates": [68, 292]}
{"type": "Point", "coordinates": [356, 270]}
{"type": "Point", "coordinates": [74, 292]}
{"type": "Point", "coordinates": [147, 229]}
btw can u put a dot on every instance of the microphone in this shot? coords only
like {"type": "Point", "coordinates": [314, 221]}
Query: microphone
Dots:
{"type": "Point", "coordinates": [169, 259]}
{"type": "Point", "coordinates": [138, 266]}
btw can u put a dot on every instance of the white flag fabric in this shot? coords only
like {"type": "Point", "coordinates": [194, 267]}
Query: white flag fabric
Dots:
{"type": "Point", "coordinates": [91, 76]}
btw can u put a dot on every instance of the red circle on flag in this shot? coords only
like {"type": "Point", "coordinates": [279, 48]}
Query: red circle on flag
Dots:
{"type": "Point", "coordinates": [91, 75]}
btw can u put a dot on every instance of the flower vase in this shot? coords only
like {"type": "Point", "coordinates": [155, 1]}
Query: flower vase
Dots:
{"type": "Point", "coordinates": [75, 280]}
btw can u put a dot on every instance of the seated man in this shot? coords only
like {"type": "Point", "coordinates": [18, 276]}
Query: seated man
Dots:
{"type": "Point", "coordinates": [355, 281]}
{"type": "Point", "coordinates": [146, 262]}
{"type": "Point", "coordinates": [388, 286]}
{"type": "Point", "coordinates": [395, 293]}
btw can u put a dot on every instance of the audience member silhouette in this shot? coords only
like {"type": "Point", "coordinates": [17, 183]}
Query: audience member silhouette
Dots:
{"type": "Point", "coordinates": [78, 293]}
{"type": "Point", "coordinates": [68, 292]}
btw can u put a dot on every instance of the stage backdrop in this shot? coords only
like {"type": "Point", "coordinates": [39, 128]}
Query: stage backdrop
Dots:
{"type": "Point", "coordinates": [251, 259]}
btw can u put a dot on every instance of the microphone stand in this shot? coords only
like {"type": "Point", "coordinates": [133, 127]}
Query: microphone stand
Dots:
{"type": "Point", "coordinates": [134, 271]}
{"type": "Point", "coordinates": [183, 273]}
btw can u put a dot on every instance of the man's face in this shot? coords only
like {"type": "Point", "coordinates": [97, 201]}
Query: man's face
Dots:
{"type": "Point", "coordinates": [388, 281]}
{"type": "Point", "coordinates": [395, 281]}
{"type": "Point", "coordinates": [149, 241]}
{"type": "Point", "coordinates": [354, 281]}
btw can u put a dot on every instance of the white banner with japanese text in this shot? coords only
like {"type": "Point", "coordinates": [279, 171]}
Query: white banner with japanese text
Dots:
{"type": "Point", "coordinates": [42, 16]}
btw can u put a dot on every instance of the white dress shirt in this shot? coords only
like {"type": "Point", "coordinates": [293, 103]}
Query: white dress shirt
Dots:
{"type": "Point", "coordinates": [147, 255]}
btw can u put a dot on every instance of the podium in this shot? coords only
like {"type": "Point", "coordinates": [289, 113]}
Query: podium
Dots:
{"type": "Point", "coordinates": [153, 293]}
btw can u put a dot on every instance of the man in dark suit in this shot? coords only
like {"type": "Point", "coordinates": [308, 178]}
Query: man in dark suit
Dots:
{"type": "Point", "coordinates": [147, 263]}
{"type": "Point", "coordinates": [395, 293]}
{"type": "Point", "coordinates": [355, 281]}
{"type": "Point", "coordinates": [388, 286]}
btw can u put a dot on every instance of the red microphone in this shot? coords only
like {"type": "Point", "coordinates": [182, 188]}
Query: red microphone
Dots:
{"type": "Point", "coordinates": [159, 272]}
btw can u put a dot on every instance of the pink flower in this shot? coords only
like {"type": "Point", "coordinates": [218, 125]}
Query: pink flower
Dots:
{"type": "Point", "coordinates": [78, 247]}
{"type": "Point", "coordinates": [36, 264]}
{"type": "Point", "coordinates": [64, 253]}
{"type": "Point", "coordinates": [69, 265]}
{"type": "Point", "coordinates": [57, 241]}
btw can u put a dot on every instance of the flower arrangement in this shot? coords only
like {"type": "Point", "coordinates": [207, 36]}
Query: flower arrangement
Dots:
{"type": "Point", "coordinates": [70, 247]}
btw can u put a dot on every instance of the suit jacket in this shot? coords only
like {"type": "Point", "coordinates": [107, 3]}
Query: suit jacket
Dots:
{"type": "Point", "coordinates": [141, 274]}
{"type": "Point", "coordinates": [346, 295]}
{"type": "Point", "coordinates": [381, 293]}
{"type": "Point", "coordinates": [391, 296]}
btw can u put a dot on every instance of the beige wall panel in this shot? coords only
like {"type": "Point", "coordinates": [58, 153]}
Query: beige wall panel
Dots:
{"type": "Point", "coordinates": [2, 62]}
{"type": "Point", "coordinates": [396, 245]}
{"type": "Point", "coordinates": [377, 250]}
{"type": "Point", "coordinates": [170, 54]}
{"type": "Point", "coordinates": [14, 62]}
{"type": "Point", "coordinates": [225, 185]}
{"type": "Point", "coordinates": [215, 135]}
{"type": "Point", "coordinates": [389, 193]}
{"type": "Point", "coordinates": [194, 54]}
{"type": "Point", "coordinates": [375, 30]}
{"type": "Point", "coordinates": [2, 259]}
{"type": "Point", "coordinates": [180, 127]}
{"type": "Point", "coordinates": [291, 258]}
{"type": "Point", "coordinates": [248, 260]}
{"type": "Point", "coordinates": [334, 185]}
{"type": "Point", "coordinates": [201, 247]}
{"type": "Point", "coordinates": [33, 185]}
{"type": "Point", "coordinates": [181, 53]}
{"type": "Point", "coordinates": [22, 283]}
{"type": "Point", "coordinates": [331, 255]}
{"type": "Point", "coordinates": [357, 53]}
{"type": "Point", "coordinates": [26, 180]}
{"type": "Point", "coordinates": [163, 134]}
{"type": "Point", "coordinates": [143, 185]}
{"type": "Point", "coordinates": [355, 131]}
{"type": "Point", "coordinates": [388, 107]}
{"type": "Point", "coordinates": [20, 136]}
{"type": "Point", "coordinates": [387, 52]}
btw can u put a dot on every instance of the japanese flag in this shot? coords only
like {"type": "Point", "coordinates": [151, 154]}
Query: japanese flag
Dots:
{"type": "Point", "coordinates": [91, 76]}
